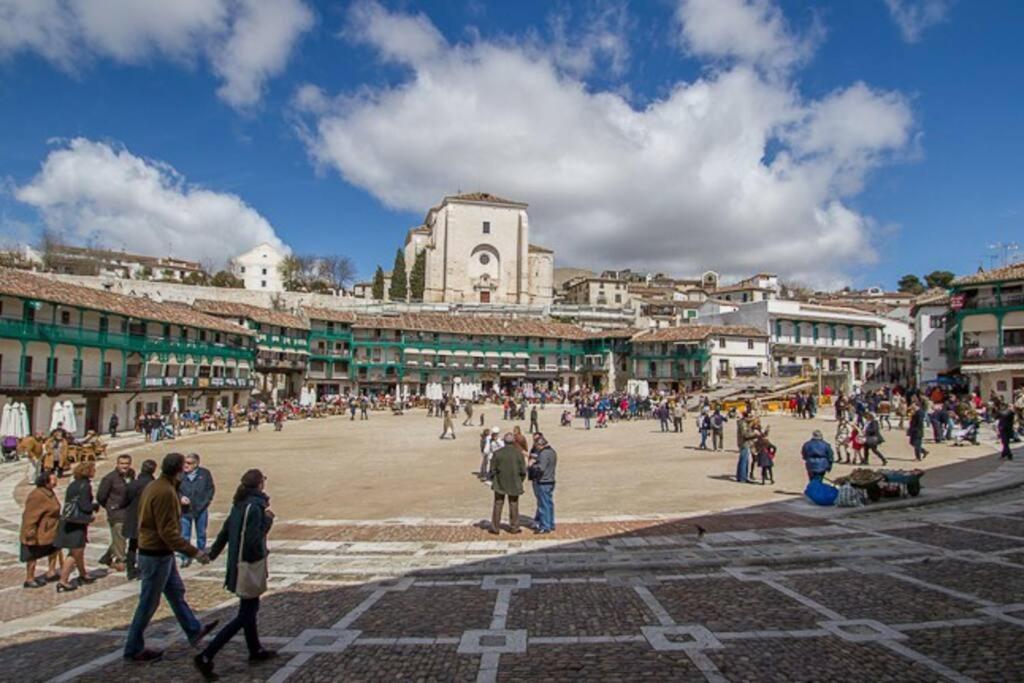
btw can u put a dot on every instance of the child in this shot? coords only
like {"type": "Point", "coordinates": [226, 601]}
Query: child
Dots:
{"type": "Point", "coordinates": [566, 418]}
{"type": "Point", "coordinates": [602, 419]}
{"type": "Point", "coordinates": [858, 446]}
{"type": "Point", "coordinates": [766, 459]}
{"type": "Point", "coordinates": [843, 440]}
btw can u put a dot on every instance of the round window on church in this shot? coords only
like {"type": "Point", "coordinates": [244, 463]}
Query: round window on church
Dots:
{"type": "Point", "coordinates": [484, 259]}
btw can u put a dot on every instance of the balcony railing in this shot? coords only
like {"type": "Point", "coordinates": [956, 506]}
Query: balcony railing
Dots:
{"type": "Point", "coordinates": [983, 353]}
{"type": "Point", "coordinates": [92, 382]}
{"type": "Point", "coordinates": [1012, 299]}
{"type": "Point", "coordinates": [74, 336]}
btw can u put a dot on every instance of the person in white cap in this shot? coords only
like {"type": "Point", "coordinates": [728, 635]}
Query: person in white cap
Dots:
{"type": "Point", "coordinates": [492, 442]}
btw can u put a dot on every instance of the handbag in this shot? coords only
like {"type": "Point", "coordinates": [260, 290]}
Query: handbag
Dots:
{"type": "Point", "coordinates": [251, 577]}
{"type": "Point", "coordinates": [71, 513]}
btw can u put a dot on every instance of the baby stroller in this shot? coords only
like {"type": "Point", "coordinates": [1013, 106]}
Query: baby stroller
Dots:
{"type": "Point", "coordinates": [10, 448]}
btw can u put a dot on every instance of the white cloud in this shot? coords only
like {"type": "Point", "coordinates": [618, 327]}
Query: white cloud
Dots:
{"type": "Point", "coordinates": [914, 16]}
{"type": "Point", "coordinates": [91, 192]}
{"type": "Point", "coordinates": [734, 171]}
{"type": "Point", "coordinates": [748, 31]}
{"type": "Point", "coordinates": [245, 41]}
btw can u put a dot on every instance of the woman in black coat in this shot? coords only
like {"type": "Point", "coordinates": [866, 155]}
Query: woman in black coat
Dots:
{"type": "Point", "coordinates": [250, 511]}
{"type": "Point", "coordinates": [73, 533]}
{"type": "Point", "coordinates": [873, 438]}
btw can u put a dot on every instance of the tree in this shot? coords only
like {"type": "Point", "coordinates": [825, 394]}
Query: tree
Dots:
{"type": "Point", "coordinates": [911, 284]}
{"type": "Point", "coordinates": [378, 284]}
{"type": "Point", "coordinates": [337, 271]}
{"type": "Point", "coordinates": [399, 279]}
{"type": "Point", "coordinates": [227, 279]}
{"type": "Point", "coordinates": [939, 278]}
{"type": "Point", "coordinates": [292, 273]}
{"type": "Point", "coordinates": [418, 276]}
{"type": "Point", "coordinates": [195, 278]}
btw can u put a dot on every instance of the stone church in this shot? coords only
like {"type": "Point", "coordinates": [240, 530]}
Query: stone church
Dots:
{"type": "Point", "coordinates": [478, 251]}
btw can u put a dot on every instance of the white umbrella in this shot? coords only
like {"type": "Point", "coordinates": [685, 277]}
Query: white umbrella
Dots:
{"type": "Point", "coordinates": [70, 420]}
{"type": "Point", "coordinates": [174, 403]}
{"type": "Point", "coordinates": [6, 425]}
{"type": "Point", "coordinates": [57, 417]}
{"type": "Point", "coordinates": [19, 418]}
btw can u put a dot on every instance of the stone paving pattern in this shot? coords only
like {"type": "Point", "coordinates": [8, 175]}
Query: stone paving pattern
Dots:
{"type": "Point", "coordinates": [928, 594]}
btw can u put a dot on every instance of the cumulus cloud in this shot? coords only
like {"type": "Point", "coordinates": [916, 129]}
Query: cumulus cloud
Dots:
{"type": "Point", "coordinates": [246, 42]}
{"type": "Point", "coordinates": [734, 171]}
{"type": "Point", "coordinates": [92, 192]}
{"type": "Point", "coordinates": [914, 16]}
{"type": "Point", "coordinates": [748, 31]}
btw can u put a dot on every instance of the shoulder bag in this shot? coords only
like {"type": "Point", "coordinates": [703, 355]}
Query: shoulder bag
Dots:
{"type": "Point", "coordinates": [251, 578]}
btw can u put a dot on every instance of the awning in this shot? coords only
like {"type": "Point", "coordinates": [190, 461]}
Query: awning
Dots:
{"type": "Point", "coordinates": [460, 352]}
{"type": "Point", "coordinates": [493, 354]}
{"type": "Point", "coordinates": [477, 354]}
{"type": "Point", "coordinates": [984, 369]}
{"type": "Point", "coordinates": [521, 354]}
{"type": "Point", "coordinates": [507, 354]}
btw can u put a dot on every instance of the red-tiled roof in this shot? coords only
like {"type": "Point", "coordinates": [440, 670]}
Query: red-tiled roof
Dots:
{"type": "Point", "coordinates": [470, 324]}
{"type": "Point", "coordinates": [1013, 271]}
{"type": "Point", "coordinates": [697, 333]}
{"type": "Point", "coordinates": [28, 286]}
{"type": "Point", "coordinates": [329, 314]}
{"type": "Point", "coordinates": [269, 316]}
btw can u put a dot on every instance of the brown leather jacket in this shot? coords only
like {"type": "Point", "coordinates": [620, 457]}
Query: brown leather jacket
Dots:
{"type": "Point", "coordinates": [41, 517]}
{"type": "Point", "coordinates": [160, 520]}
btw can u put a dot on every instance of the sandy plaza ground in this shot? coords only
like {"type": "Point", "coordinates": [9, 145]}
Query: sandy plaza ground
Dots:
{"type": "Point", "coordinates": [396, 467]}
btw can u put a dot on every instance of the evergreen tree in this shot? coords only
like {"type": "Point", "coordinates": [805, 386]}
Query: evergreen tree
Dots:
{"type": "Point", "coordinates": [910, 283]}
{"type": "Point", "coordinates": [378, 284]}
{"type": "Point", "coordinates": [418, 276]}
{"type": "Point", "coordinates": [399, 279]}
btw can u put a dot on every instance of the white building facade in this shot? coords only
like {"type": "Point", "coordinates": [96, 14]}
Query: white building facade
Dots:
{"type": "Point", "coordinates": [478, 251]}
{"type": "Point", "coordinates": [260, 268]}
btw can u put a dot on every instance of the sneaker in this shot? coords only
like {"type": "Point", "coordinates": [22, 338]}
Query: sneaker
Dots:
{"type": "Point", "coordinates": [206, 628]}
{"type": "Point", "coordinates": [263, 655]}
{"type": "Point", "coordinates": [146, 656]}
{"type": "Point", "coordinates": [205, 667]}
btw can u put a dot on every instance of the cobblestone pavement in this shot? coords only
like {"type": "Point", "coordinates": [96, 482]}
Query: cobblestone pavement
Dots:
{"type": "Point", "coordinates": [919, 594]}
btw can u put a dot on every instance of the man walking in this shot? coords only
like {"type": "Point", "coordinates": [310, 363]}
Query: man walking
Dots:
{"type": "Point", "coordinates": [113, 496]}
{"type": "Point", "coordinates": [112, 425]}
{"type": "Point", "coordinates": [818, 456]}
{"type": "Point", "coordinates": [159, 538]}
{"type": "Point", "coordinates": [534, 424]}
{"type": "Point", "coordinates": [543, 462]}
{"type": "Point", "coordinates": [717, 429]}
{"type": "Point", "coordinates": [130, 529]}
{"type": "Point", "coordinates": [196, 491]}
{"type": "Point", "coordinates": [1004, 428]}
{"type": "Point", "coordinates": [364, 405]}
{"type": "Point", "coordinates": [508, 469]}
{"type": "Point", "coordinates": [468, 422]}
{"type": "Point", "coordinates": [448, 425]}
{"type": "Point", "coordinates": [915, 430]}
{"type": "Point", "coordinates": [678, 411]}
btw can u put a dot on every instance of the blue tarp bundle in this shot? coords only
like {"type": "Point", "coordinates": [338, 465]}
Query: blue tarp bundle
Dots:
{"type": "Point", "coordinates": [821, 493]}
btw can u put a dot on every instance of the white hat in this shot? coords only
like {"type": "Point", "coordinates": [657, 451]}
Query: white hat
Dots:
{"type": "Point", "coordinates": [495, 430]}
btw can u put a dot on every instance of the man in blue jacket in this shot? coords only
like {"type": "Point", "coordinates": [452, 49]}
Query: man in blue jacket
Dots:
{"type": "Point", "coordinates": [196, 491]}
{"type": "Point", "coordinates": [818, 456]}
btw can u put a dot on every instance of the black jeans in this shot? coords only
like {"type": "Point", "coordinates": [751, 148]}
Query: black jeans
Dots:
{"type": "Point", "coordinates": [245, 619]}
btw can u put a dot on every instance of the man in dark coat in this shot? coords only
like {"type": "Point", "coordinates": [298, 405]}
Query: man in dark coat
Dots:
{"type": "Point", "coordinates": [508, 470]}
{"type": "Point", "coordinates": [1004, 427]}
{"type": "Point", "coordinates": [130, 528]}
{"type": "Point", "coordinates": [915, 430]}
{"type": "Point", "coordinates": [196, 491]}
{"type": "Point", "coordinates": [113, 496]}
{"type": "Point", "coordinates": [817, 455]}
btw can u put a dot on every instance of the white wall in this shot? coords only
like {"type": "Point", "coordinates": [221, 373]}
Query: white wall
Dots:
{"type": "Point", "coordinates": [259, 268]}
{"type": "Point", "coordinates": [930, 331]}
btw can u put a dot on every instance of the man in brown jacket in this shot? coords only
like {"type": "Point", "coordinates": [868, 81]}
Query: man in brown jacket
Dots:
{"type": "Point", "coordinates": [159, 538]}
{"type": "Point", "coordinates": [508, 469]}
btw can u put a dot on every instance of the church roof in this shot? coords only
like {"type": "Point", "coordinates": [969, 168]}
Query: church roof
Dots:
{"type": "Point", "coordinates": [536, 249]}
{"type": "Point", "coordinates": [485, 197]}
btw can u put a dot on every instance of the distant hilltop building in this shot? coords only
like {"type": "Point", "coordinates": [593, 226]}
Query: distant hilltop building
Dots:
{"type": "Point", "coordinates": [260, 268]}
{"type": "Point", "coordinates": [478, 251]}
{"type": "Point", "coordinates": [69, 260]}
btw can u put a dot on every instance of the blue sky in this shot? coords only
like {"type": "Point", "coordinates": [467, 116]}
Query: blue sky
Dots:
{"type": "Point", "coordinates": [829, 142]}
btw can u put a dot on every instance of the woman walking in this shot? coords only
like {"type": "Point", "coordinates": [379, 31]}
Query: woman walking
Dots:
{"type": "Point", "coordinates": [77, 514]}
{"type": "Point", "coordinates": [39, 525]}
{"type": "Point", "coordinates": [245, 535]}
{"type": "Point", "coordinates": [873, 438]}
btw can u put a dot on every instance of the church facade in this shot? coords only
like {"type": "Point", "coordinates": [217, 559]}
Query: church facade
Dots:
{"type": "Point", "coordinates": [478, 251]}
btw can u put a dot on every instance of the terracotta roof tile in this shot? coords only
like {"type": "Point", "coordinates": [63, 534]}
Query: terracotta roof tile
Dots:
{"type": "Point", "coordinates": [1014, 271]}
{"type": "Point", "coordinates": [471, 324]}
{"type": "Point", "coordinates": [697, 333]}
{"type": "Point", "coordinates": [258, 313]}
{"type": "Point", "coordinates": [483, 197]}
{"type": "Point", "coordinates": [329, 314]}
{"type": "Point", "coordinates": [28, 286]}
